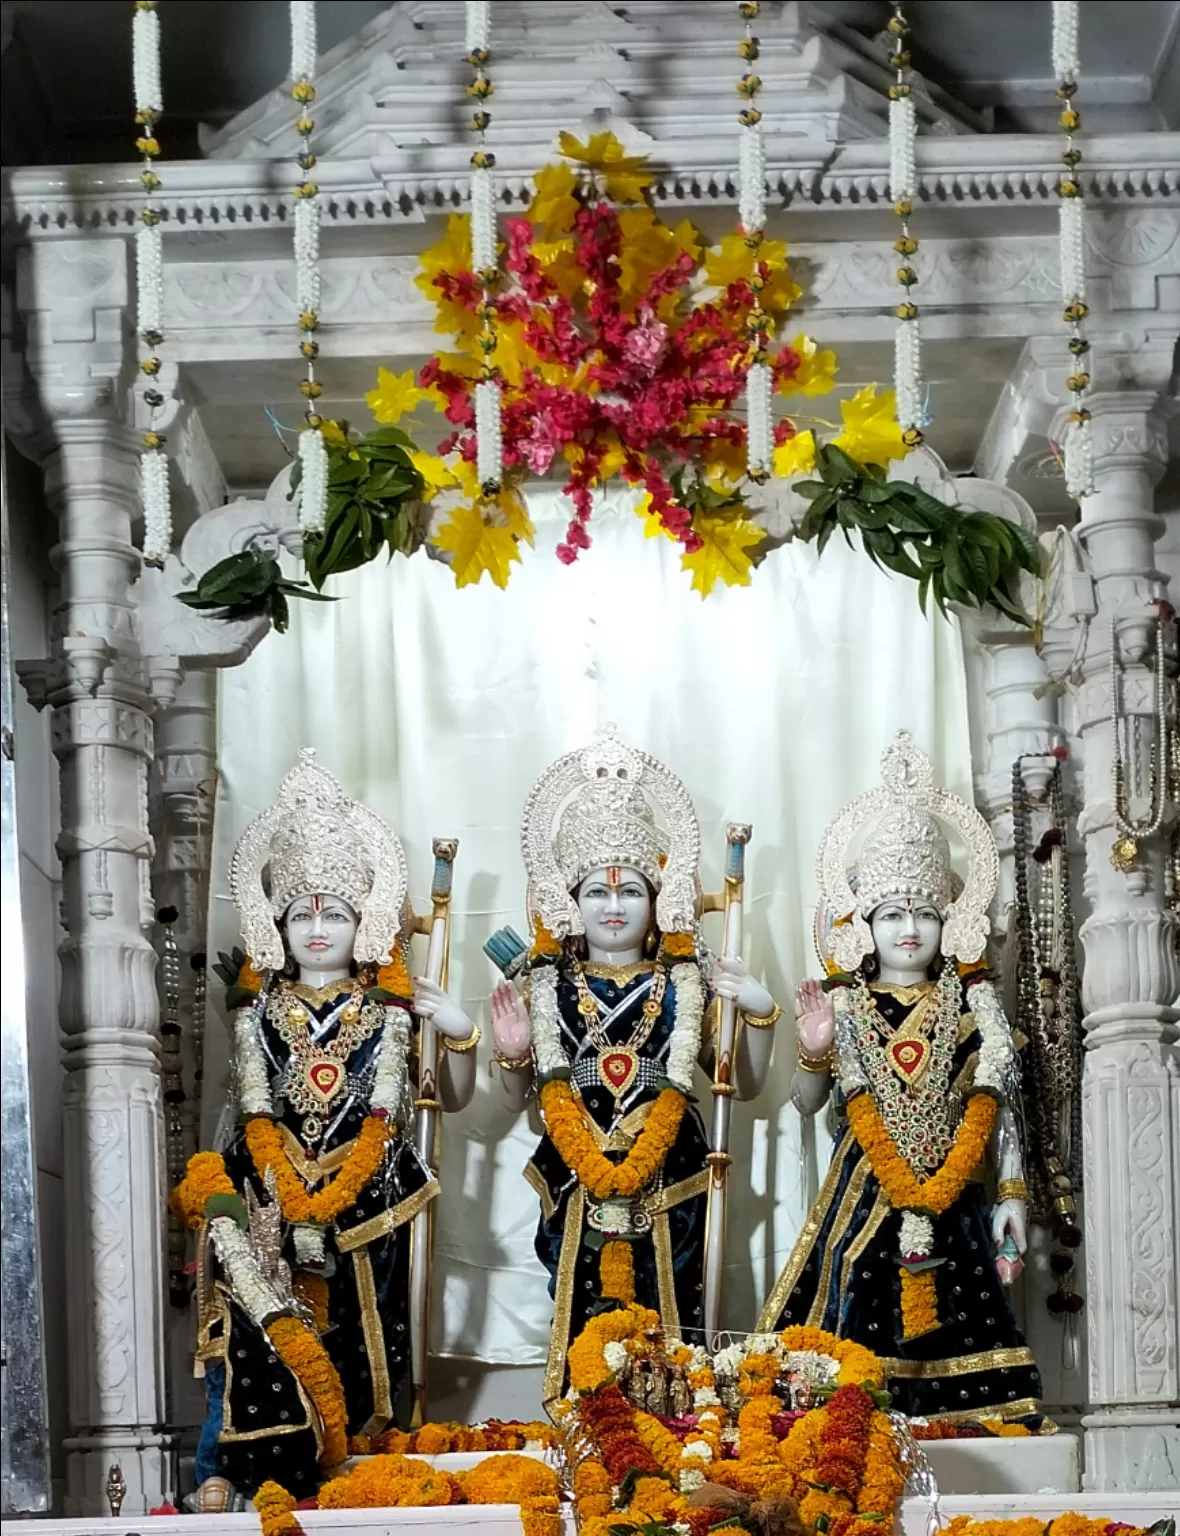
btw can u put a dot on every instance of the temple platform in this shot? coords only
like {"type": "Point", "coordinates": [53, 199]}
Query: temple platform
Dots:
{"type": "Point", "coordinates": [918, 1517]}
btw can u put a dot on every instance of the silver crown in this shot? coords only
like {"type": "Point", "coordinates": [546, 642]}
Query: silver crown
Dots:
{"type": "Point", "coordinates": [314, 839]}
{"type": "Point", "coordinates": [608, 823]}
{"type": "Point", "coordinates": [904, 852]}
{"type": "Point", "coordinates": [907, 855]}
{"type": "Point", "coordinates": [593, 809]}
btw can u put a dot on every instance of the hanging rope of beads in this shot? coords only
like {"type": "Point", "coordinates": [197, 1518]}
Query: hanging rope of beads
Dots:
{"type": "Point", "coordinates": [1077, 450]}
{"type": "Point", "coordinates": [903, 131]}
{"type": "Point", "coordinates": [149, 282]}
{"type": "Point", "coordinates": [312, 490]}
{"type": "Point", "coordinates": [752, 219]}
{"type": "Point", "coordinates": [489, 446]}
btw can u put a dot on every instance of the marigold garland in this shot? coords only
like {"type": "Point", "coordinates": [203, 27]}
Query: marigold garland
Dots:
{"type": "Point", "coordinates": [903, 1188]}
{"type": "Point", "coordinates": [264, 1141]}
{"type": "Point", "coordinates": [387, 1482]}
{"type": "Point", "coordinates": [250, 979]}
{"type": "Point", "coordinates": [440, 1439]}
{"type": "Point", "coordinates": [204, 1177]}
{"type": "Point", "coordinates": [858, 1366]}
{"type": "Point", "coordinates": [616, 1267]}
{"type": "Point", "coordinates": [276, 1510]}
{"type": "Point", "coordinates": [586, 1359]}
{"type": "Point", "coordinates": [307, 1359]}
{"type": "Point", "coordinates": [1068, 1524]}
{"type": "Point", "coordinates": [519, 1480]}
{"type": "Point", "coordinates": [395, 977]}
{"type": "Point", "coordinates": [919, 1303]}
{"type": "Point", "coordinates": [567, 1123]}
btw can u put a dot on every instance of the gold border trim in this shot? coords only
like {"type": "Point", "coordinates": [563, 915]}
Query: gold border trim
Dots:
{"type": "Point", "coordinates": [1020, 1409]}
{"type": "Point", "coordinates": [535, 1181]}
{"type": "Point", "coordinates": [228, 1435]}
{"type": "Point", "coordinates": [956, 1365]}
{"type": "Point", "coordinates": [877, 1215]}
{"type": "Point", "coordinates": [773, 1306]}
{"type": "Point", "coordinates": [312, 1169]}
{"type": "Point", "coordinates": [661, 1240]}
{"type": "Point", "coordinates": [563, 1298]}
{"type": "Point", "coordinates": [619, 974]}
{"type": "Point", "coordinates": [839, 1226]}
{"type": "Point", "coordinates": [388, 1221]}
{"type": "Point", "coordinates": [366, 1293]}
{"type": "Point", "coordinates": [677, 1194]}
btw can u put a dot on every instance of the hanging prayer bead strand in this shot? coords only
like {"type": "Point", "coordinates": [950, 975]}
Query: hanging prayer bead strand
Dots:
{"type": "Point", "coordinates": [903, 188]}
{"type": "Point", "coordinates": [1077, 449]}
{"type": "Point", "coordinates": [313, 455]}
{"type": "Point", "coordinates": [752, 217]}
{"type": "Point", "coordinates": [489, 446]}
{"type": "Point", "coordinates": [149, 282]}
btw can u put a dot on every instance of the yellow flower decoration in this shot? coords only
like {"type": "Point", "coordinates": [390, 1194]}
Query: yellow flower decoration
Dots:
{"type": "Point", "coordinates": [554, 207]}
{"type": "Point", "coordinates": [435, 474]}
{"type": "Point", "coordinates": [817, 371]}
{"type": "Point", "coordinates": [452, 254]}
{"type": "Point", "coordinates": [653, 528]}
{"type": "Point", "coordinates": [871, 434]}
{"type": "Point", "coordinates": [734, 259]}
{"type": "Point", "coordinates": [797, 456]}
{"type": "Point", "coordinates": [334, 436]}
{"type": "Point", "coordinates": [396, 395]}
{"type": "Point", "coordinates": [624, 177]}
{"type": "Point", "coordinates": [725, 554]}
{"type": "Point", "coordinates": [477, 548]}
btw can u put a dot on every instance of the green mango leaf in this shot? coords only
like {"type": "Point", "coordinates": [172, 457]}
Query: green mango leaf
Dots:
{"type": "Point", "coordinates": [346, 471]}
{"type": "Point", "coordinates": [387, 437]}
{"type": "Point", "coordinates": [847, 470]}
{"type": "Point", "coordinates": [809, 489]}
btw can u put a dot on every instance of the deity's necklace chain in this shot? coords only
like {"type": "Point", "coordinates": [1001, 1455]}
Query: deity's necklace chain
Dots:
{"type": "Point", "coordinates": [590, 1009]}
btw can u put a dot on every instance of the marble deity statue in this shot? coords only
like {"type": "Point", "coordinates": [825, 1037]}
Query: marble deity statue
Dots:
{"type": "Point", "coordinates": [609, 1028]}
{"type": "Point", "coordinates": [305, 1218]}
{"type": "Point", "coordinates": [903, 1251]}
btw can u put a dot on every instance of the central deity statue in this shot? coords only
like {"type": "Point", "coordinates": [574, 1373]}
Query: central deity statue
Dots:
{"type": "Point", "coordinates": [610, 1025]}
{"type": "Point", "coordinates": [903, 1251]}
{"type": "Point", "coordinates": [304, 1216]}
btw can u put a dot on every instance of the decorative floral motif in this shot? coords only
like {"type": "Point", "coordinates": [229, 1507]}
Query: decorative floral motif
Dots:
{"type": "Point", "coordinates": [569, 1130]}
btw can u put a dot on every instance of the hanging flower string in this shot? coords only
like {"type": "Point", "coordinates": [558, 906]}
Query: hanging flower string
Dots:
{"type": "Point", "coordinates": [752, 218]}
{"type": "Point", "coordinates": [484, 255]}
{"type": "Point", "coordinates": [313, 457]}
{"type": "Point", "coordinates": [903, 131]}
{"type": "Point", "coordinates": [149, 278]}
{"type": "Point", "coordinates": [1077, 450]}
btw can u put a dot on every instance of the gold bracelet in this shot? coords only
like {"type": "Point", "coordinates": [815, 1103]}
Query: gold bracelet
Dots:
{"type": "Point", "coordinates": [768, 1022]}
{"type": "Point", "coordinates": [459, 1046]}
{"type": "Point", "coordinates": [817, 1063]}
{"type": "Point", "coordinates": [512, 1063]}
{"type": "Point", "coordinates": [1012, 1189]}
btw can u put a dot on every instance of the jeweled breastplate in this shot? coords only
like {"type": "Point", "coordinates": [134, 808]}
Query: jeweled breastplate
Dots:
{"type": "Point", "coordinates": [316, 1079]}
{"type": "Point", "coordinates": [909, 1068]}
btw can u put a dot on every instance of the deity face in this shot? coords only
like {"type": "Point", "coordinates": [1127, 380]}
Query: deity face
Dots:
{"type": "Point", "coordinates": [907, 934]}
{"type": "Point", "coordinates": [321, 932]}
{"type": "Point", "coordinates": [616, 908]}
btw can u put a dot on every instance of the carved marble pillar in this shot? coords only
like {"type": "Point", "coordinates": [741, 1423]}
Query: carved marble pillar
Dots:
{"type": "Point", "coordinates": [79, 356]}
{"type": "Point", "coordinates": [1131, 1083]}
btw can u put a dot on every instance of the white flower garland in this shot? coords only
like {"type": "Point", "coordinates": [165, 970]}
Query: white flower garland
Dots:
{"type": "Point", "coordinates": [758, 419]}
{"type": "Point", "coordinates": [685, 1045]}
{"type": "Point", "coordinates": [752, 177]}
{"type": "Point", "coordinates": [392, 1079]}
{"type": "Point", "coordinates": [903, 134]}
{"type": "Point", "coordinates": [154, 489]}
{"type": "Point", "coordinates": [254, 1095]}
{"type": "Point", "coordinates": [304, 51]}
{"type": "Point", "coordinates": [615, 1356]}
{"type": "Point", "coordinates": [489, 445]}
{"type": "Point", "coordinates": [1066, 59]}
{"type": "Point", "coordinates": [917, 1235]}
{"type": "Point", "coordinates": [145, 61]}
{"type": "Point", "coordinates": [997, 1053]}
{"type": "Point", "coordinates": [309, 1245]}
{"type": "Point", "coordinates": [489, 459]}
{"type": "Point", "coordinates": [545, 1017]}
{"type": "Point", "coordinates": [307, 254]}
{"type": "Point", "coordinates": [313, 455]}
{"type": "Point", "coordinates": [313, 486]}
{"type": "Point", "coordinates": [1072, 245]}
{"type": "Point", "coordinates": [253, 1292]}
{"type": "Point", "coordinates": [903, 186]}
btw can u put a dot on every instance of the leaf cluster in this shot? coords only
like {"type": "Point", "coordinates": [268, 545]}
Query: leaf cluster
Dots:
{"type": "Point", "coordinates": [372, 485]}
{"type": "Point", "coordinates": [972, 558]}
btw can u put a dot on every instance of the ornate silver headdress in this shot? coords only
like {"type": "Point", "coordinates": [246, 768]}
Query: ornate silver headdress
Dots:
{"type": "Point", "coordinates": [905, 853]}
{"type": "Point", "coordinates": [314, 838]}
{"type": "Point", "coordinates": [592, 809]}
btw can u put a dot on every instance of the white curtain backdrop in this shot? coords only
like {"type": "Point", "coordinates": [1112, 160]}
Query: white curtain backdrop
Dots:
{"type": "Point", "coordinates": [440, 707]}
